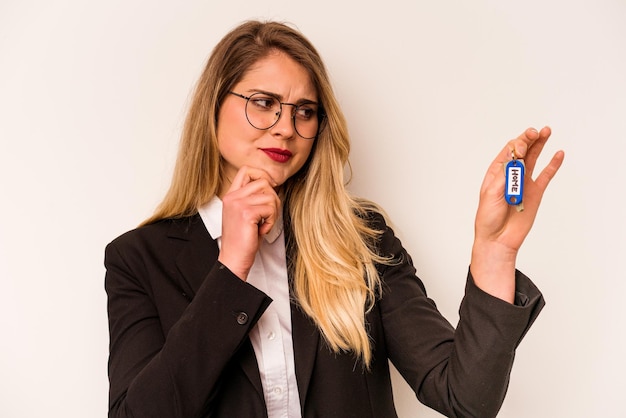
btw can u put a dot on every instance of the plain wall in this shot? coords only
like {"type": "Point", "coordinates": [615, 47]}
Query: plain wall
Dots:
{"type": "Point", "coordinates": [92, 99]}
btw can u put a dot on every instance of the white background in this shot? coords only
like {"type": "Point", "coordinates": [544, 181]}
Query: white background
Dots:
{"type": "Point", "coordinates": [93, 95]}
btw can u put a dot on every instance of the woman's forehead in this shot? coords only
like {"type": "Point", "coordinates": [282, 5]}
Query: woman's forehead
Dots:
{"type": "Point", "coordinates": [281, 75]}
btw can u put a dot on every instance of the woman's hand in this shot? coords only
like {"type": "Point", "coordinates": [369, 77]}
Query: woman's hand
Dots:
{"type": "Point", "coordinates": [250, 210]}
{"type": "Point", "coordinates": [500, 229]}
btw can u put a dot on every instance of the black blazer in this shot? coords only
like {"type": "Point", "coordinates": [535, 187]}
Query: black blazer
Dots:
{"type": "Point", "coordinates": [179, 346]}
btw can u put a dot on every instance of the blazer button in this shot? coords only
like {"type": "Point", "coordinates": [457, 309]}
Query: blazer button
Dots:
{"type": "Point", "coordinates": [242, 318]}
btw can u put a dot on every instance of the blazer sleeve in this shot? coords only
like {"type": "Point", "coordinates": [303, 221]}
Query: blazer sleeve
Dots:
{"type": "Point", "coordinates": [174, 375]}
{"type": "Point", "coordinates": [463, 372]}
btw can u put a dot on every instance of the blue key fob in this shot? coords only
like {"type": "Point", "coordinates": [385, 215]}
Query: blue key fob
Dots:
{"type": "Point", "coordinates": [514, 187]}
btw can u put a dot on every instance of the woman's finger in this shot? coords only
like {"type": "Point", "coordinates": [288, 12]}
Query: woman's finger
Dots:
{"type": "Point", "coordinates": [530, 159]}
{"type": "Point", "coordinates": [548, 173]}
{"type": "Point", "coordinates": [247, 175]}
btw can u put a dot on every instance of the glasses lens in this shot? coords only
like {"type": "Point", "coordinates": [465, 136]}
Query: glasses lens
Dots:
{"type": "Point", "coordinates": [306, 120]}
{"type": "Point", "coordinates": [263, 111]}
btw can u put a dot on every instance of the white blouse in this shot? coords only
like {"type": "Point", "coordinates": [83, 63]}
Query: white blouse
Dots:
{"type": "Point", "coordinates": [271, 336]}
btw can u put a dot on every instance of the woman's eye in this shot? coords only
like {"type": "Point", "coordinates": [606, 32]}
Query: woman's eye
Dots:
{"type": "Point", "coordinates": [264, 103]}
{"type": "Point", "coordinates": [305, 112]}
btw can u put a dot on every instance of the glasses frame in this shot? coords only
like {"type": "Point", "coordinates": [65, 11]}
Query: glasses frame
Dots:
{"type": "Point", "coordinates": [321, 116]}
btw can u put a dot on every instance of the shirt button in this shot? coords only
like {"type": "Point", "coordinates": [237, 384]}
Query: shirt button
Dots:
{"type": "Point", "coordinates": [271, 335]}
{"type": "Point", "coordinates": [242, 318]}
{"type": "Point", "coordinates": [278, 390]}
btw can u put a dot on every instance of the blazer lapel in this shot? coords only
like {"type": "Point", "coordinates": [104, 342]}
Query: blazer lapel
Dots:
{"type": "Point", "coordinates": [305, 347]}
{"type": "Point", "coordinates": [304, 332]}
{"type": "Point", "coordinates": [198, 254]}
{"type": "Point", "coordinates": [195, 260]}
{"type": "Point", "coordinates": [249, 365]}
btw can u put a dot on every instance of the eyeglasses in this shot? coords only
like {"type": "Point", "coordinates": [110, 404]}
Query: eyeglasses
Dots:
{"type": "Point", "coordinates": [263, 111]}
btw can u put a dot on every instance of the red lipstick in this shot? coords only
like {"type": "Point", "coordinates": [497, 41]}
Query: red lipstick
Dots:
{"type": "Point", "coordinates": [277, 154]}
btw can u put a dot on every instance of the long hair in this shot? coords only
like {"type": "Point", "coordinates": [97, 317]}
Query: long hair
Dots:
{"type": "Point", "coordinates": [335, 280]}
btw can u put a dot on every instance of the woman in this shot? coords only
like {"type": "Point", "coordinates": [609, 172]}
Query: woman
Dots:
{"type": "Point", "coordinates": [260, 287]}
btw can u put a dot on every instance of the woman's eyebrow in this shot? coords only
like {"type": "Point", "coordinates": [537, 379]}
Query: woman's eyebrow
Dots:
{"type": "Point", "coordinates": [281, 97]}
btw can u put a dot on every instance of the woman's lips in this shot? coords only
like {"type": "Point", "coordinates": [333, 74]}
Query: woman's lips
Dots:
{"type": "Point", "coordinates": [278, 155]}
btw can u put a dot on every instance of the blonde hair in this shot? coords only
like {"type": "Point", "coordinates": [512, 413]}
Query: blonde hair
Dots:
{"type": "Point", "coordinates": [335, 280]}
